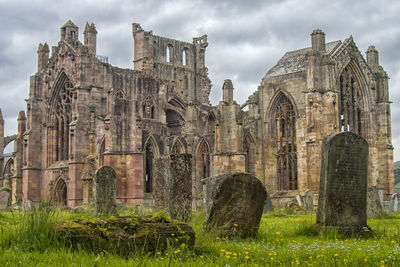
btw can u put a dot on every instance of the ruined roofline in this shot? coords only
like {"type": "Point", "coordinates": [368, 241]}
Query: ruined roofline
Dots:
{"type": "Point", "coordinates": [165, 37]}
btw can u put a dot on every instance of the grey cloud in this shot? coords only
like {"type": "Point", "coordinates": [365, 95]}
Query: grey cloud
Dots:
{"type": "Point", "coordinates": [246, 38]}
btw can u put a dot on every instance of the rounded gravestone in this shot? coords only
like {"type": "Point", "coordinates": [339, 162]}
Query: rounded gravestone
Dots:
{"type": "Point", "coordinates": [104, 192]}
{"type": "Point", "coordinates": [342, 199]}
{"type": "Point", "coordinates": [235, 204]}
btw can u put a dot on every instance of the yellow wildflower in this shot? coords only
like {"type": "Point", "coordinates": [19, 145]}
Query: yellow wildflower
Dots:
{"type": "Point", "coordinates": [278, 233]}
{"type": "Point", "coordinates": [335, 254]}
{"type": "Point", "coordinates": [247, 257]}
{"type": "Point", "coordinates": [227, 256]}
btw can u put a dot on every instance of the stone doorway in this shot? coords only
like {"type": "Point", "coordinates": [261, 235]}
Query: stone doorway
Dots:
{"type": "Point", "coordinates": [60, 193]}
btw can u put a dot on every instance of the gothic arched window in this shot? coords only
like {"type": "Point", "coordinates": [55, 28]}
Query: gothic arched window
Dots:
{"type": "Point", "coordinates": [285, 118]}
{"type": "Point", "coordinates": [350, 103]}
{"type": "Point", "coordinates": [177, 147]}
{"type": "Point", "coordinates": [60, 118]}
{"type": "Point", "coordinates": [203, 164]}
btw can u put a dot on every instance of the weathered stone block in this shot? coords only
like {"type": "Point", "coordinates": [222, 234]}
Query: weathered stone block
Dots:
{"type": "Point", "coordinates": [124, 235]}
{"type": "Point", "coordinates": [374, 206]}
{"type": "Point", "coordinates": [268, 204]}
{"type": "Point", "coordinates": [309, 200]}
{"type": "Point", "coordinates": [104, 191]}
{"type": "Point", "coordinates": [343, 185]}
{"type": "Point", "coordinates": [5, 198]}
{"type": "Point", "coordinates": [234, 204]}
{"type": "Point", "coordinates": [173, 185]}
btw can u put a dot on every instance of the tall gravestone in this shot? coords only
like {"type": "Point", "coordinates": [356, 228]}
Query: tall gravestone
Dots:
{"type": "Point", "coordinates": [268, 204]}
{"type": "Point", "coordinates": [172, 189]}
{"type": "Point", "coordinates": [309, 200]}
{"type": "Point", "coordinates": [343, 184]}
{"type": "Point", "coordinates": [180, 187]}
{"type": "Point", "coordinates": [374, 206]}
{"type": "Point", "coordinates": [104, 192]}
{"type": "Point", "coordinates": [88, 175]}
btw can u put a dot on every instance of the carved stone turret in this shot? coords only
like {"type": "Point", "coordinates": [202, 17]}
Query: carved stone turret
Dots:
{"type": "Point", "coordinates": [90, 36]}
{"type": "Point", "coordinates": [69, 32]}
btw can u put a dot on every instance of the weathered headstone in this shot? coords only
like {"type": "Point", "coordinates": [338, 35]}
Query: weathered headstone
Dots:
{"type": "Point", "coordinates": [104, 192]}
{"type": "Point", "coordinates": [343, 184]}
{"type": "Point", "coordinates": [309, 200]}
{"type": "Point", "coordinates": [180, 187]}
{"type": "Point", "coordinates": [298, 199]}
{"type": "Point", "coordinates": [268, 204]}
{"type": "Point", "coordinates": [5, 199]}
{"type": "Point", "coordinates": [27, 205]}
{"type": "Point", "coordinates": [395, 202]}
{"type": "Point", "coordinates": [88, 174]}
{"type": "Point", "coordinates": [374, 206]}
{"type": "Point", "coordinates": [172, 189]}
{"type": "Point", "coordinates": [234, 204]}
{"type": "Point", "coordinates": [162, 172]}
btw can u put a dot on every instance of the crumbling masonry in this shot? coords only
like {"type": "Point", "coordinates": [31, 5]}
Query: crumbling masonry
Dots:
{"type": "Point", "coordinates": [82, 109]}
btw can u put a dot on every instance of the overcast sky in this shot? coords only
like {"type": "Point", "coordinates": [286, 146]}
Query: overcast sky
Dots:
{"type": "Point", "coordinates": [246, 38]}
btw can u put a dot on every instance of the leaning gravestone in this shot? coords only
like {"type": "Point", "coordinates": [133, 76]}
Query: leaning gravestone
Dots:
{"type": "Point", "coordinates": [104, 191]}
{"type": "Point", "coordinates": [309, 200]}
{"type": "Point", "coordinates": [5, 199]}
{"type": "Point", "coordinates": [234, 204]}
{"type": "Point", "coordinates": [343, 184]}
{"type": "Point", "coordinates": [374, 206]}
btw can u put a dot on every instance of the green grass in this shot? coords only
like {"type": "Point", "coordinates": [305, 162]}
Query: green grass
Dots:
{"type": "Point", "coordinates": [27, 240]}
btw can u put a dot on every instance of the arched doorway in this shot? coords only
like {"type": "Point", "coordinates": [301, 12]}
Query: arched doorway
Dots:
{"type": "Point", "coordinates": [60, 193]}
{"type": "Point", "coordinates": [203, 164]}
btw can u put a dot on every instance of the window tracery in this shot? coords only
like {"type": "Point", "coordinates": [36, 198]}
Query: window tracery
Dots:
{"type": "Point", "coordinates": [285, 118]}
{"type": "Point", "coordinates": [350, 103]}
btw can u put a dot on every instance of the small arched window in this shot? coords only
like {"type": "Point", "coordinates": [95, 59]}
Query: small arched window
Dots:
{"type": "Point", "coordinates": [169, 53]}
{"type": "Point", "coordinates": [185, 55]}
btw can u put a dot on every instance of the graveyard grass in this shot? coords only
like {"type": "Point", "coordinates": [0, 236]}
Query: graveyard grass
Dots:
{"type": "Point", "coordinates": [284, 239]}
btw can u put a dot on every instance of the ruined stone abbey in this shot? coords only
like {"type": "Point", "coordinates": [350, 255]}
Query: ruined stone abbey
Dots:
{"type": "Point", "coordinates": [81, 108]}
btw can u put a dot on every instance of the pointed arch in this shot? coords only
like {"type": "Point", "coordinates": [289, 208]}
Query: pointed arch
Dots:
{"type": "Point", "coordinates": [151, 151]}
{"type": "Point", "coordinates": [8, 173]}
{"type": "Point", "coordinates": [283, 114]}
{"type": "Point", "coordinates": [58, 119]}
{"type": "Point", "coordinates": [203, 158]}
{"type": "Point", "coordinates": [249, 149]}
{"type": "Point", "coordinates": [276, 98]}
{"type": "Point", "coordinates": [353, 100]}
{"type": "Point", "coordinates": [59, 194]}
{"type": "Point", "coordinates": [177, 146]}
